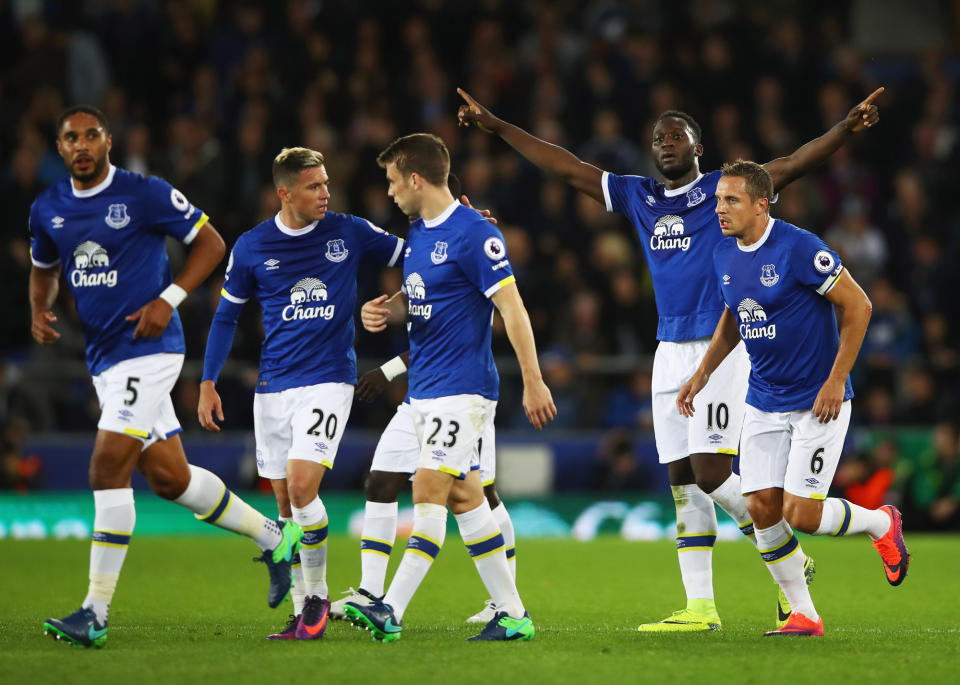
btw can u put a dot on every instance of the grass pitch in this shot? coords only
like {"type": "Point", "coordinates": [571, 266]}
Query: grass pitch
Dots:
{"type": "Point", "coordinates": [193, 610]}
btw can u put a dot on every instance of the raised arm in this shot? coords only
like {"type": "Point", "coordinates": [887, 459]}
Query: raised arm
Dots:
{"type": "Point", "coordinates": [550, 158]}
{"type": "Point", "coordinates": [725, 338]}
{"type": "Point", "coordinates": [44, 286]}
{"type": "Point", "coordinates": [537, 401]}
{"type": "Point", "coordinates": [206, 251]}
{"type": "Point", "coordinates": [854, 309]}
{"type": "Point", "coordinates": [783, 170]}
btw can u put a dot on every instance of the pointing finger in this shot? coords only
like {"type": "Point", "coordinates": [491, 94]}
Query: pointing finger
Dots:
{"type": "Point", "coordinates": [870, 98]}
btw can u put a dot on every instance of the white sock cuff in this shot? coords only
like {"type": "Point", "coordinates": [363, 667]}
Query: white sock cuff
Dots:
{"type": "Point", "coordinates": [474, 520]}
{"type": "Point", "coordinates": [200, 481]}
{"type": "Point", "coordinates": [382, 509]}
{"type": "Point", "coordinates": [314, 512]}
{"type": "Point", "coordinates": [728, 489]}
{"type": "Point", "coordinates": [830, 516]}
{"type": "Point", "coordinates": [776, 534]}
{"type": "Point", "coordinates": [430, 511]}
{"type": "Point", "coordinates": [116, 497]}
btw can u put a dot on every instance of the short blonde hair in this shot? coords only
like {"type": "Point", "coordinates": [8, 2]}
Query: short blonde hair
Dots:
{"type": "Point", "coordinates": [291, 161]}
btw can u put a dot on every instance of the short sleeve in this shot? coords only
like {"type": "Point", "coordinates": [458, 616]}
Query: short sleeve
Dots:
{"type": "Point", "coordinates": [378, 245]}
{"type": "Point", "coordinates": [171, 212]}
{"type": "Point", "coordinates": [815, 265]}
{"type": "Point", "coordinates": [43, 251]}
{"type": "Point", "coordinates": [617, 191]}
{"type": "Point", "coordinates": [483, 258]}
{"type": "Point", "coordinates": [238, 283]}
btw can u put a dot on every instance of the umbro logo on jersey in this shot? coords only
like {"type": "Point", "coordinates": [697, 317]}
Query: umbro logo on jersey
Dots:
{"type": "Point", "coordinates": [406, 253]}
{"type": "Point", "coordinates": [117, 216]}
{"type": "Point", "coordinates": [726, 279]}
{"type": "Point", "coordinates": [56, 222]}
{"type": "Point", "coordinates": [651, 200]}
{"type": "Point", "coordinates": [271, 264]}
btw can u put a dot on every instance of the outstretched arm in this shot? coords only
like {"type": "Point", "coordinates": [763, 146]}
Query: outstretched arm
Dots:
{"type": "Point", "coordinates": [725, 338]}
{"type": "Point", "coordinates": [784, 170]}
{"type": "Point", "coordinates": [537, 401]}
{"type": "Point", "coordinates": [550, 158]}
{"type": "Point", "coordinates": [206, 251]}
{"type": "Point", "coordinates": [854, 309]}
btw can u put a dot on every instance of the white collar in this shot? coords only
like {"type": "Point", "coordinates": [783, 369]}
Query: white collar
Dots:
{"type": "Point", "coordinates": [90, 192]}
{"type": "Point", "coordinates": [436, 221]}
{"type": "Point", "coordinates": [756, 246]}
{"type": "Point", "coordinates": [680, 191]}
{"type": "Point", "coordinates": [293, 231]}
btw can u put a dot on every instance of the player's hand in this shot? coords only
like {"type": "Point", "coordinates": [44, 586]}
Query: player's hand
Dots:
{"type": "Point", "coordinates": [152, 319]}
{"type": "Point", "coordinates": [829, 400]}
{"type": "Point", "coordinates": [41, 330]}
{"type": "Point", "coordinates": [689, 391]}
{"type": "Point", "coordinates": [475, 114]}
{"type": "Point", "coordinates": [209, 406]}
{"type": "Point", "coordinates": [374, 315]}
{"type": "Point", "coordinates": [485, 213]}
{"type": "Point", "coordinates": [371, 384]}
{"type": "Point", "coordinates": [538, 404]}
{"type": "Point", "coordinates": [864, 115]}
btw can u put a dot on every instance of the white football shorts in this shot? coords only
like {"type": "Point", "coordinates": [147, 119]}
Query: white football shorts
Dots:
{"type": "Point", "coordinates": [449, 432]}
{"type": "Point", "coordinates": [791, 450]}
{"type": "Point", "coordinates": [135, 399]}
{"type": "Point", "coordinates": [300, 423]}
{"type": "Point", "coordinates": [398, 449]}
{"type": "Point", "coordinates": [718, 416]}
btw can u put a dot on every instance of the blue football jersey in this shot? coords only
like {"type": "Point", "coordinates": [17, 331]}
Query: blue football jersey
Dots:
{"type": "Point", "coordinates": [453, 265]}
{"type": "Point", "coordinates": [775, 289]}
{"type": "Point", "coordinates": [306, 283]}
{"type": "Point", "coordinates": [110, 240]}
{"type": "Point", "coordinates": [679, 231]}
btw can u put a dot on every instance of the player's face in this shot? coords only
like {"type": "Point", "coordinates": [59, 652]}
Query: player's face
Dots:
{"type": "Point", "coordinates": [308, 198]}
{"type": "Point", "coordinates": [674, 148]}
{"type": "Point", "coordinates": [402, 190]}
{"type": "Point", "coordinates": [739, 215]}
{"type": "Point", "coordinates": [84, 146]}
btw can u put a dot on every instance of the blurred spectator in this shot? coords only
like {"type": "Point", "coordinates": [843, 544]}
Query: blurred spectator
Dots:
{"type": "Point", "coordinates": [865, 479]}
{"type": "Point", "coordinates": [19, 472]}
{"type": "Point", "coordinates": [931, 486]}
{"type": "Point", "coordinates": [616, 466]}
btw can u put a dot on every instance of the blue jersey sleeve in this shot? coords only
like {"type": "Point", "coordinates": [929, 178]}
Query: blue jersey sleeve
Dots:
{"type": "Point", "coordinates": [220, 338]}
{"type": "Point", "coordinates": [483, 258]}
{"type": "Point", "coordinates": [238, 283]}
{"type": "Point", "coordinates": [378, 245]}
{"type": "Point", "coordinates": [619, 191]}
{"type": "Point", "coordinates": [815, 265]}
{"type": "Point", "coordinates": [171, 212]}
{"type": "Point", "coordinates": [43, 251]}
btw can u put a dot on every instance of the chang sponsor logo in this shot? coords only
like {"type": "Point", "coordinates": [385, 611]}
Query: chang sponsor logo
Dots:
{"type": "Point", "coordinates": [303, 295]}
{"type": "Point", "coordinates": [750, 312]}
{"type": "Point", "coordinates": [417, 290]}
{"type": "Point", "coordinates": [668, 234]}
{"type": "Point", "coordinates": [89, 263]}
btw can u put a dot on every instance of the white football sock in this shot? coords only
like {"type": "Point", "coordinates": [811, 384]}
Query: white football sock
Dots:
{"type": "Point", "coordinates": [376, 543]}
{"type": "Point", "coordinates": [781, 552]}
{"type": "Point", "coordinates": [429, 530]}
{"type": "Point", "coordinates": [485, 543]}
{"type": "Point", "coordinates": [502, 517]}
{"type": "Point", "coordinates": [841, 517]}
{"type": "Point", "coordinates": [696, 535]}
{"type": "Point", "coordinates": [113, 521]}
{"type": "Point", "coordinates": [313, 547]}
{"type": "Point", "coordinates": [732, 501]}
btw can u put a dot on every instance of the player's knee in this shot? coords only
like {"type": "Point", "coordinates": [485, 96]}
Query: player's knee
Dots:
{"type": "Point", "coordinates": [166, 483]}
{"type": "Point", "coordinates": [801, 515]}
{"type": "Point", "coordinates": [380, 488]}
{"type": "Point", "coordinates": [301, 490]}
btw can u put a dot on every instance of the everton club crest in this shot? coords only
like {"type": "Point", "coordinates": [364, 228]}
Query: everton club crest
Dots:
{"type": "Point", "coordinates": [439, 254]}
{"type": "Point", "coordinates": [117, 216]}
{"type": "Point", "coordinates": [769, 275]}
{"type": "Point", "coordinates": [695, 196]}
{"type": "Point", "coordinates": [336, 251]}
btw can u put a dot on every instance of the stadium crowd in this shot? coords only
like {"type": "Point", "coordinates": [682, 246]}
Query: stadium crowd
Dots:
{"type": "Point", "coordinates": [206, 93]}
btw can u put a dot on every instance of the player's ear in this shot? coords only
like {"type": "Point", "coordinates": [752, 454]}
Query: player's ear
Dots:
{"type": "Point", "coordinates": [698, 149]}
{"type": "Point", "coordinates": [283, 193]}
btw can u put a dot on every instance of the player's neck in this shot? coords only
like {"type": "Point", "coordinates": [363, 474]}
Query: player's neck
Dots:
{"type": "Point", "coordinates": [291, 220]}
{"type": "Point", "coordinates": [687, 178]}
{"type": "Point", "coordinates": [436, 200]}
{"type": "Point", "coordinates": [79, 184]}
{"type": "Point", "coordinates": [754, 232]}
